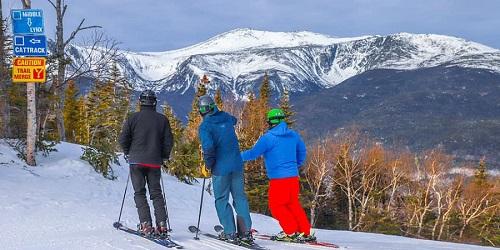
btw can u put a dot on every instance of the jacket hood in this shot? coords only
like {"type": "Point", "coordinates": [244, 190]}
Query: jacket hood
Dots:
{"type": "Point", "coordinates": [219, 117]}
{"type": "Point", "coordinates": [280, 130]}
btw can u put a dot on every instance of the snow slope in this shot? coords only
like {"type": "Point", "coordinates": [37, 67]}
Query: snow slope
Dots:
{"type": "Point", "coordinates": [64, 204]}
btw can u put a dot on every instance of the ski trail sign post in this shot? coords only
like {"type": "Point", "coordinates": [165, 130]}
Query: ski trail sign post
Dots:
{"type": "Point", "coordinates": [28, 69]}
{"type": "Point", "coordinates": [27, 21]}
{"type": "Point", "coordinates": [30, 43]}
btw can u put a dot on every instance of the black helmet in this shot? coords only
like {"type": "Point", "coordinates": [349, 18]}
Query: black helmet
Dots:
{"type": "Point", "coordinates": [147, 98]}
{"type": "Point", "coordinates": [206, 105]}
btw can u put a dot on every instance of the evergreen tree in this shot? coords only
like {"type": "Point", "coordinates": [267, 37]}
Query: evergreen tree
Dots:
{"type": "Point", "coordinates": [253, 126]}
{"type": "Point", "coordinates": [287, 108]}
{"type": "Point", "coordinates": [17, 102]}
{"type": "Point", "coordinates": [107, 108]}
{"type": "Point", "coordinates": [188, 153]}
{"type": "Point", "coordinates": [194, 118]}
{"type": "Point", "coordinates": [181, 165]}
{"type": "Point", "coordinates": [481, 174]}
{"type": "Point", "coordinates": [71, 112]}
{"type": "Point", "coordinates": [218, 99]}
{"type": "Point", "coordinates": [83, 126]}
{"type": "Point", "coordinates": [265, 92]}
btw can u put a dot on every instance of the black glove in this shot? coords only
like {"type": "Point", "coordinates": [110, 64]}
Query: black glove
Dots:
{"type": "Point", "coordinates": [125, 157]}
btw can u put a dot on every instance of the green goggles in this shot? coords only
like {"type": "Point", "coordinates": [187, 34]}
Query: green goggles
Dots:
{"type": "Point", "coordinates": [275, 119]}
{"type": "Point", "coordinates": [207, 108]}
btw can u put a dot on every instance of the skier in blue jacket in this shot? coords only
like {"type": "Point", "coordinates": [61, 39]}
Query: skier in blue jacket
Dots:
{"type": "Point", "coordinates": [284, 153]}
{"type": "Point", "coordinates": [221, 153]}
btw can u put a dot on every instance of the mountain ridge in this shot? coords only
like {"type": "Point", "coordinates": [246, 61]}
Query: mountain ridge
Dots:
{"type": "Point", "coordinates": [299, 60]}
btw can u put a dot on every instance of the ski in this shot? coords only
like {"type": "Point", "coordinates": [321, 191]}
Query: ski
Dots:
{"type": "Point", "coordinates": [166, 242]}
{"type": "Point", "coordinates": [315, 243]}
{"type": "Point", "coordinates": [194, 229]}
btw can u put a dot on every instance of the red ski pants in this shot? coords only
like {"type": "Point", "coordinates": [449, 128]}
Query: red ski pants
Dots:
{"type": "Point", "coordinates": [285, 205]}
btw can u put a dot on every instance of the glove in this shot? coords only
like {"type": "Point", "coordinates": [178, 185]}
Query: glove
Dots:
{"type": "Point", "coordinates": [205, 172]}
{"type": "Point", "coordinates": [125, 157]}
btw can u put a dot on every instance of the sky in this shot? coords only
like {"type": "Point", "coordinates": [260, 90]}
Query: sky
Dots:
{"type": "Point", "coordinates": [160, 25]}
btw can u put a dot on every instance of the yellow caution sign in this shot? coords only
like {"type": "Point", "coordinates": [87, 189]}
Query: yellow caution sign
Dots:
{"type": "Point", "coordinates": [28, 69]}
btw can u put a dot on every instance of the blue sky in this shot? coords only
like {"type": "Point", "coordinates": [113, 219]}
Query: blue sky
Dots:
{"type": "Point", "coordinates": [159, 25]}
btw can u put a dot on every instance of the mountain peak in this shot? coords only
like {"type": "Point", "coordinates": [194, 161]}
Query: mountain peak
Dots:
{"type": "Point", "coordinates": [245, 38]}
{"type": "Point", "coordinates": [298, 61]}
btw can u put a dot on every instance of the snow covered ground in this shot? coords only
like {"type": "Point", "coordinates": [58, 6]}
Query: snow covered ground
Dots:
{"type": "Point", "coordinates": [63, 204]}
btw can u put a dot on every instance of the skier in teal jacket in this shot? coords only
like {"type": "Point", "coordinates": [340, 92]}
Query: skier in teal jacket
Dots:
{"type": "Point", "coordinates": [221, 153]}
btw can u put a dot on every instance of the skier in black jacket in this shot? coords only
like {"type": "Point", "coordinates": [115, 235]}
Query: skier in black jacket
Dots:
{"type": "Point", "coordinates": [146, 140]}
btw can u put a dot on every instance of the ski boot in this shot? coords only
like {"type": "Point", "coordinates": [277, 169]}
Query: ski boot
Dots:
{"type": "Point", "coordinates": [162, 229]}
{"type": "Point", "coordinates": [247, 238]}
{"type": "Point", "coordinates": [282, 236]}
{"type": "Point", "coordinates": [231, 238]}
{"type": "Point", "coordinates": [302, 237]}
{"type": "Point", "coordinates": [145, 228]}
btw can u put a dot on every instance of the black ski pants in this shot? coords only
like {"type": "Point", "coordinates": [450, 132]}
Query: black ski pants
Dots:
{"type": "Point", "coordinates": [141, 175]}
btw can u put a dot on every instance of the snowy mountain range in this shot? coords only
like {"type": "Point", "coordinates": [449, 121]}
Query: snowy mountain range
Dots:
{"type": "Point", "coordinates": [298, 61]}
{"type": "Point", "coordinates": [444, 91]}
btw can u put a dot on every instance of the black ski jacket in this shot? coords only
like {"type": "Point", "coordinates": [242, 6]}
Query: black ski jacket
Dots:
{"type": "Point", "coordinates": [146, 137]}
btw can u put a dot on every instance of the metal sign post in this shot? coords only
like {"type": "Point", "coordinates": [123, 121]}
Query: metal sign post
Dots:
{"type": "Point", "coordinates": [29, 41]}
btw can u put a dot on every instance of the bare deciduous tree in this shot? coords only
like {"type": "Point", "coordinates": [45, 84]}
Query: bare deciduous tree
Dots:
{"type": "Point", "coordinates": [398, 169]}
{"type": "Point", "coordinates": [451, 197]}
{"type": "Point", "coordinates": [318, 170]}
{"type": "Point", "coordinates": [476, 200]}
{"type": "Point", "coordinates": [348, 165]}
{"type": "Point", "coordinates": [57, 86]}
{"type": "Point", "coordinates": [4, 74]}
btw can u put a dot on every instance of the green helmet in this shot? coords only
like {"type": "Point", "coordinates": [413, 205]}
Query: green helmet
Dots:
{"type": "Point", "coordinates": [275, 116]}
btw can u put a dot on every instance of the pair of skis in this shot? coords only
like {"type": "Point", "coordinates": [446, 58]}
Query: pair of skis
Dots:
{"type": "Point", "coordinates": [310, 243]}
{"type": "Point", "coordinates": [257, 235]}
{"type": "Point", "coordinates": [218, 229]}
{"type": "Point", "coordinates": [164, 241]}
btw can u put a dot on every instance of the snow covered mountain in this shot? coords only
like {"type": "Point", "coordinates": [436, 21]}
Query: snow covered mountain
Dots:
{"type": "Point", "coordinates": [63, 204]}
{"type": "Point", "coordinates": [298, 61]}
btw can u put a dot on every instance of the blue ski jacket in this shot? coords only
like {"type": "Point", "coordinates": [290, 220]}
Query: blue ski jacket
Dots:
{"type": "Point", "coordinates": [221, 151]}
{"type": "Point", "coordinates": [283, 149]}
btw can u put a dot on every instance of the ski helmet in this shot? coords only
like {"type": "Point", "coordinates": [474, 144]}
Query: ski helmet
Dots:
{"type": "Point", "coordinates": [206, 105]}
{"type": "Point", "coordinates": [147, 98]}
{"type": "Point", "coordinates": [275, 116]}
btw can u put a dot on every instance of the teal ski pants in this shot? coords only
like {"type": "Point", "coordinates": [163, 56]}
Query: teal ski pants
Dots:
{"type": "Point", "coordinates": [233, 184]}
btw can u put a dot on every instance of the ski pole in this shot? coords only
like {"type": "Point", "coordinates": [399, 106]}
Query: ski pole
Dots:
{"type": "Point", "coordinates": [199, 213]}
{"type": "Point", "coordinates": [165, 200]}
{"type": "Point", "coordinates": [123, 201]}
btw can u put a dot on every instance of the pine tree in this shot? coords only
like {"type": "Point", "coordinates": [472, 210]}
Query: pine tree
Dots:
{"type": "Point", "coordinates": [107, 106]}
{"type": "Point", "coordinates": [265, 92]}
{"type": "Point", "coordinates": [71, 111]}
{"type": "Point", "coordinates": [194, 118]}
{"type": "Point", "coordinates": [254, 125]}
{"type": "Point", "coordinates": [287, 108]}
{"type": "Point", "coordinates": [189, 147]}
{"type": "Point", "coordinates": [182, 164]}
{"type": "Point", "coordinates": [481, 174]}
{"type": "Point", "coordinates": [218, 99]}
{"type": "Point", "coordinates": [83, 126]}
{"type": "Point", "coordinates": [17, 102]}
